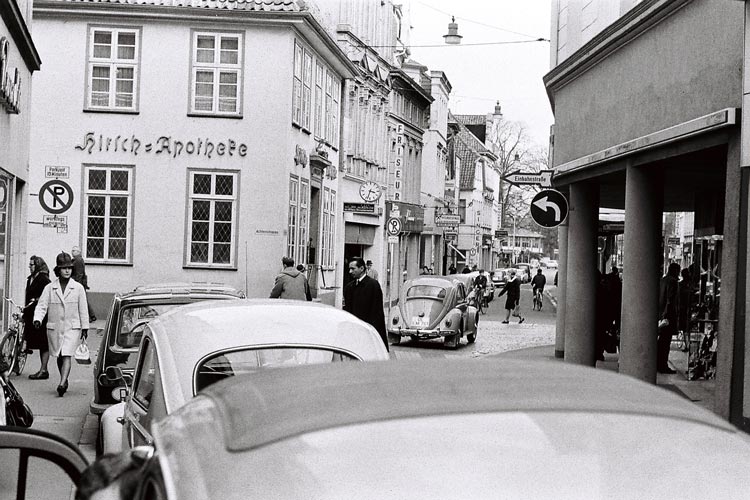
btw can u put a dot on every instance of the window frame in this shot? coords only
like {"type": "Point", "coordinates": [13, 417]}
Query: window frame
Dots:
{"type": "Point", "coordinates": [328, 236]}
{"type": "Point", "coordinates": [212, 198]}
{"type": "Point", "coordinates": [107, 193]}
{"type": "Point", "coordinates": [113, 63]}
{"type": "Point", "coordinates": [148, 348]}
{"type": "Point", "coordinates": [298, 227]}
{"type": "Point", "coordinates": [218, 68]}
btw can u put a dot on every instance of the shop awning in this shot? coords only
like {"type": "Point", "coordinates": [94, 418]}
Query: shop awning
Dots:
{"type": "Point", "coordinates": [358, 234]}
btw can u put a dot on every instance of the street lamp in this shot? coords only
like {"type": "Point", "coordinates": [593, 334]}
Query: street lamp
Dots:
{"type": "Point", "coordinates": [452, 38]}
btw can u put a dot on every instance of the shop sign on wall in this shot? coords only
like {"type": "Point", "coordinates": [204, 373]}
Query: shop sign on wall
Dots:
{"type": "Point", "coordinates": [398, 173]}
{"type": "Point", "coordinates": [166, 145]}
{"type": "Point", "coordinates": [10, 88]}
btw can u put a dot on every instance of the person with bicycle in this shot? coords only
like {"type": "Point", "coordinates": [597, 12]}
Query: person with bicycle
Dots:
{"type": "Point", "coordinates": [64, 302]}
{"type": "Point", "coordinates": [36, 338]}
{"type": "Point", "coordinates": [537, 287]}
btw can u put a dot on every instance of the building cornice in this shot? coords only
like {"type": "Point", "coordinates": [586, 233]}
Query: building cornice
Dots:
{"type": "Point", "coordinates": [17, 28]}
{"type": "Point", "coordinates": [624, 30]}
{"type": "Point", "coordinates": [304, 21]}
{"type": "Point", "coordinates": [400, 74]}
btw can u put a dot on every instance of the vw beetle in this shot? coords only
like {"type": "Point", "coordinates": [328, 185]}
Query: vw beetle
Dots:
{"type": "Point", "coordinates": [432, 307]}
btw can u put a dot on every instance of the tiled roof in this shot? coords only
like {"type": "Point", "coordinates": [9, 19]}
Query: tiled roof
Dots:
{"type": "Point", "coordinates": [468, 149]}
{"type": "Point", "coordinates": [472, 119]}
{"type": "Point", "coordinates": [248, 5]}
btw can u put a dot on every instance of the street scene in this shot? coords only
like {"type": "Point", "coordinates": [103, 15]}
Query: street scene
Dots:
{"type": "Point", "coordinates": [337, 248]}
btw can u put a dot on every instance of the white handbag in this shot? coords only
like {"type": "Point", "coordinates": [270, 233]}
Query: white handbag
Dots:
{"type": "Point", "coordinates": [82, 355]}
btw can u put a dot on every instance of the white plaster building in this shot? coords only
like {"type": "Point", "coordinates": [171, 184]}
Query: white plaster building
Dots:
{"type": "Point", "coordinates": [18, 60]}
{"type": "Point", "coordinates": [196, 143]}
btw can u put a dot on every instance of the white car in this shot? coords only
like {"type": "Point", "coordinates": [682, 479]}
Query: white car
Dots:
{"type": "Point", "coordinates": [442, 429]}
{"type": "Point", "coordinates": [191, 347]}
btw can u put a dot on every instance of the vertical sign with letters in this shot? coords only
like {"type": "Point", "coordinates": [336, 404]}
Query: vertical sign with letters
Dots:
{"type": "Point", "coordinates": [398, 173]}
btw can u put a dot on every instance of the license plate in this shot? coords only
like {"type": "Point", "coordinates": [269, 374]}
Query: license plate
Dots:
{"type": "Point", "coordinates": [420, 321]}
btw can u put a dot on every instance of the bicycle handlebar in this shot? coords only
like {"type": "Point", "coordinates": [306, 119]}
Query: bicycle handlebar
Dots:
{"type": "Point", "coordinates": [8, 299]}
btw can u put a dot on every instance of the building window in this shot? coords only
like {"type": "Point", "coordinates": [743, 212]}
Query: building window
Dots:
{"type": "Point", "coordinates": [307, 91]}
{"type": "Point", "coordinates": [216, 74]}
{"type": "Point", "coordinates": [319, 118]}
{"type": "Point", "coordinates": [462, 211]}
{"type": "Point", "coordinates": [212, 215]}
{"type": "Point", "coordinates": [328, 246]}
{"type": "Point", "coordinates": [329, 106]}
{"type": "Point", "coordinates": [335, 112]}
{"type": "Point", "coordinates": [108, 202]}
{"type": "Point", "coordinates": [298, 219]}
{"type": "Point", "coordinates": [113, 68]}
{"type": "Point", "coordinates": [297, 97]}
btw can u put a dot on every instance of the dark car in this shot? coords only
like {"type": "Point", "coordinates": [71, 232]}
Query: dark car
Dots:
{"type": "Point", "coordinates": [433, 307]}
{"type": "Point", "coordinates": [128, 314]}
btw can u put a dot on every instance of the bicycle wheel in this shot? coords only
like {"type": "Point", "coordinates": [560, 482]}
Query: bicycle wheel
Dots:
{"type": "Point", "coordinates": [20, 351]}
{"type": "Point", "coordinates": [8, 349]}
{"type": "Point", "coordinates": [480, 306]}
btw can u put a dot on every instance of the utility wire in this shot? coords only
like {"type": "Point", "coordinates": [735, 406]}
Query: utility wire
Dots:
{"type": "Point", "coordinates": [512, 42]}
{"type": "Point", "coordinates": [481, 23]}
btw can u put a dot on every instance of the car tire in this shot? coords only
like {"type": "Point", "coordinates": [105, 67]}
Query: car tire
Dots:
{"type": "Point", "coordinates": [394, 339]}
{"type": "Point", "coordinates": [472, 337]}
{"type": "Point", "coordinates": [99, 439]}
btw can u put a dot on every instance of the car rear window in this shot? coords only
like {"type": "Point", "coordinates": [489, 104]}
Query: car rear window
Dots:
{"type": "Point", "coordinates": [231, 363]}
{"type": "Point", "coordinates": [434, 292]}
{"type": "Point", "coordinates": [133, 319]}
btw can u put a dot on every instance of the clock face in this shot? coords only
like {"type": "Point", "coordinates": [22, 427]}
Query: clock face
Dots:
{"type": "Point", "coordinates": [369, 191]}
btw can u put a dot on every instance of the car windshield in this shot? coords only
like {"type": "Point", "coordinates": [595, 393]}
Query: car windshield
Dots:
{"type": "Point", "coordinates": [231, 363]}
{"type": "Point", "coordinates": [430, 291]}
{"type": "Point", "coordinates": [134, 318]}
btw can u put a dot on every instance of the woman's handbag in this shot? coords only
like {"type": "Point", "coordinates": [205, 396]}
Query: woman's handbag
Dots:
{"type": "Point", "coordinates": [83, 357]}
{"type": "Point", "coordinates": [17, 412]}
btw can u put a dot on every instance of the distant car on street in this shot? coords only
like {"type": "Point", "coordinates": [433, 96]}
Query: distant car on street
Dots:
{"type": "Point", "coordinates": [191, 347]}
{"type": "Point", "coordinates": [525, 271]}
{"type": "Point", "coordinates": [552, 264]}
{"type": "Point", "coordinates": [433, 307]}
{"type": "Point", "coordinates": [127, 317]}
{"type": "Point", "coordinates": [500, 277]}
{"type": "Point", "coordinates": [336, 431]}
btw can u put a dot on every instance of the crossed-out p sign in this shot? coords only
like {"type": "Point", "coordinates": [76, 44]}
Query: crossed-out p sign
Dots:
{"type": "Point", "coordinates": [56, 196]}
{"type": "Point", "coordinates": [393, 226]}
{"type": "Point", "coordinates": [549, 208]}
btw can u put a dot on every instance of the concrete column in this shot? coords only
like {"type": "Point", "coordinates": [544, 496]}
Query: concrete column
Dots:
{"type": "Point", "coordinates": [642, 266]}
{"type": "Point", "coordinates": [562, 272]}
{"type": "Point", "coordinates": [580, 298]}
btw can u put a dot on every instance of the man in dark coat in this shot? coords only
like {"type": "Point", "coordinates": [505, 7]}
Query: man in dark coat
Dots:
{"type": "Point", "coordinates": [512, 303]}
{"type": "Point", "coordinates": [668, 304]}
{"type": "Point", "coordinates": [364, 298]}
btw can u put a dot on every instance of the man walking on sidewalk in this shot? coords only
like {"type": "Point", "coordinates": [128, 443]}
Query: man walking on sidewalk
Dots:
{"type": "Point", "coordinates": [668, 298]}
{"type": "Point", "coordinates": [512, 303]}
{"type": "Point", "coordinates": [364, 298]}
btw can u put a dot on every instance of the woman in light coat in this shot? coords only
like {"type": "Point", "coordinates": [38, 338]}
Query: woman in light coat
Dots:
{"type": "Point", "coordinates": [63, 301]}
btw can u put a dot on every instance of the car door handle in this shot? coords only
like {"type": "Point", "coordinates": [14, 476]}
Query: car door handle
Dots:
{"type": "Point", "coordinates": [120, 420]}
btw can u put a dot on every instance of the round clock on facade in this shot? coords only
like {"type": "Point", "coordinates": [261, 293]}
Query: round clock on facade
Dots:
{"type": "Point", "coordinates": [370, 191]}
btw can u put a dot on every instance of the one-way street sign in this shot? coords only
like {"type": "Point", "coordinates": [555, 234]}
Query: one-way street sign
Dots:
{"type": "Point", "coordinates": [549, 208]}
{"type": "Point", "coordinates": [542, 178]}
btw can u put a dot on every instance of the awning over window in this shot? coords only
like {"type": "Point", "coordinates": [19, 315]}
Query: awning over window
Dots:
{"type": "Point", "coordinates": [358, 234]}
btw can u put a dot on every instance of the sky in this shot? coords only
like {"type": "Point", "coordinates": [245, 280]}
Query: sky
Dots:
{"type": "Point", "coordinates": [482, 75]}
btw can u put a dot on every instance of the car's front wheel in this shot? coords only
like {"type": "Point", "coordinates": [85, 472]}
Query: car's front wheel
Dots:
{"type": "Point", "coordinates": [394, 338]}
{"type": "Point", "coordinates": [452, 341]}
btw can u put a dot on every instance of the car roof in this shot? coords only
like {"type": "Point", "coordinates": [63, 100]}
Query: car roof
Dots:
{"type": "Point", "coordinates": [181, 289]}
{"type": "Point", "coordinates": [187, 334]}
{"type": "Point", "coordinates": [282, 405]}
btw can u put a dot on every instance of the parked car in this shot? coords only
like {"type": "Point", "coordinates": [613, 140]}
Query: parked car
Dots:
{"type": "Point", "coordinates": [432, 307]}
{"type": "Point", "coordinates": [336, 431]}
{"type": "Point", "coordinates": [552, 264]}
{"type": "Point", "coordinates": [126, 319]}
{"type": "Point", "coordinates": [191, 347]}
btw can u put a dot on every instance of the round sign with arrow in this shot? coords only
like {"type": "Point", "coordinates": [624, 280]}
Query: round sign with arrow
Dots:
{"type": "Point", "coordinates": [549, 208]}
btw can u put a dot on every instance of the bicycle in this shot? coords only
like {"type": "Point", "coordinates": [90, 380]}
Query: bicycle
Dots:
{"type": "Point", "coordinates": [477, 299]}
{"type": "Point", "coordinates": [538, 302]}
{"type": "Point", "coordinates": [13, 345]}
